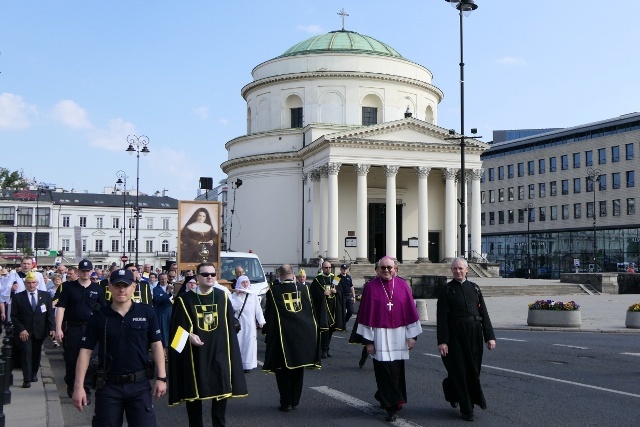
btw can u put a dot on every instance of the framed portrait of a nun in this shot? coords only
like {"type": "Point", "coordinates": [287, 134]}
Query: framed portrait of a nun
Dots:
{"type": "Point", "coordinates": [199, 237]}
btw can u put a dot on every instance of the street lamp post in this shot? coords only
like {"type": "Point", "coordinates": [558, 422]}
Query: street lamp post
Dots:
{"type": "Point", "coordinates": [122, 180]}
{"type": "Point", "coordinates": [527, 208]}
{"type": "Point", "coordinates": [464, 7]}
{"type": "Point", "coordinates": [593, 176]}
{"type": "Point", "coordinates": [137, 144]}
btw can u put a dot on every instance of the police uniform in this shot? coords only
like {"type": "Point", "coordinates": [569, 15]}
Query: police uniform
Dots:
{"type": "Point", "coordinates": [123, 356]}
{"type": "Point", "coordinates": [80, 304]}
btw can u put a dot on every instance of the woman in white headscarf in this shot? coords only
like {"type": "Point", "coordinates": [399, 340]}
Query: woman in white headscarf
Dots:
{"type": "Point", "coordinates": [247, 310]}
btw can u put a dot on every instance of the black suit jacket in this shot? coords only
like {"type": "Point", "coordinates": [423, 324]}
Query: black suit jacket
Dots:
{"type": "Point", "coordinates": [37, 323]}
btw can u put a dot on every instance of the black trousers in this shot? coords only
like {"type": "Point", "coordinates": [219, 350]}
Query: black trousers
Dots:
{"type": "Point", "coordinates": [325, 340]}
{"type": "Point", "coordinates": [71, 345]}
{"type": "Point", "coordinates": [348, 305]}
{"type": "Point", "coordinates": [290, 385]}
{"type": "Point", "coordinates": [218, 413]}
{"type": "Point", "coordinates": [30, 352]}
{"type": "Point", "coordinates": [132, 399]}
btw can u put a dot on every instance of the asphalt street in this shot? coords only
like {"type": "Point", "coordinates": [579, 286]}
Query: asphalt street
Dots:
{"type": "Point", "coordinates": [532, 378]}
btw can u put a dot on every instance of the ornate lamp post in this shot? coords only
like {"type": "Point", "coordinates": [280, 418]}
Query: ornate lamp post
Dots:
{"type": "Point", "coordinates": [137, 144]}
{"type": "Point", "coordinates": [464, 7]}
{"type": "Point", "coordinates": [527, 208]}
{"type": "Point", "coordinates": [122, 180]}
{"type": "Point", "coordinates": [593, 176]}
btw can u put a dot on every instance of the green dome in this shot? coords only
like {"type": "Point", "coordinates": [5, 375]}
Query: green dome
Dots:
{"type": "Point", "coordinates": [342, 42]}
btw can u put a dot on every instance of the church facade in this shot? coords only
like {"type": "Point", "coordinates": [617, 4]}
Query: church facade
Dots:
{"type": "Point", "coordinates": [343, 159]}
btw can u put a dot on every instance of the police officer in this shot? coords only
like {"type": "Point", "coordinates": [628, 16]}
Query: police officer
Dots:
{"type": "Point", "coordinates": [76, 305]}
{"type": "Point", "coordinates": [124, 329]}
{"type": "Point", "coordinates": [348, 291]}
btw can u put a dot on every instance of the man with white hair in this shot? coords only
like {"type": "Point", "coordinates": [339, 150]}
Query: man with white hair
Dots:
{"type": "Point", "coordinates": [15, 281]}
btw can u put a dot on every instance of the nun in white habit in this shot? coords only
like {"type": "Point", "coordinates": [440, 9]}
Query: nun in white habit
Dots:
{"type": "Point", "coordinates": [247, 309]}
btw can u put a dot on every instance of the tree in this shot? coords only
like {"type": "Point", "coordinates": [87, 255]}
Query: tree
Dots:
{"type": "Point", "coordinates": [2, 241]}
{"type": "Point", "coordinates": [9, 179]}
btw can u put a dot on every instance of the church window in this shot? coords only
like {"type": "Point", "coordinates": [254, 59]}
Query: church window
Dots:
{"type": "Point", "coordinates": [369, 116]}
{"type": "Point", "coordinates": [296, 117]}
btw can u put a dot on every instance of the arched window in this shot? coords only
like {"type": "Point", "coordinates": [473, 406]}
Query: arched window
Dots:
{"type": "Point", "coordinates": [293, 112]}
{"type": "Point", "coordinates": [165, 246]}
{"type": "Point", "coordinates": [371, 110]}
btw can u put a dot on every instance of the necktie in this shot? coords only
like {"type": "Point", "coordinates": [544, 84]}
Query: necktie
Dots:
{"type": "Point", "coordinates": [33, 301]}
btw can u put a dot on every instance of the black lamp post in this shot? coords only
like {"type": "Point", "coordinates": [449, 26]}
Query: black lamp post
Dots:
{"type": "Point", "coordinates": [39, 192]}
{"type": "Point", "coordinates": [593, 176]}
{"type": "Point", "coordinates": [527, 209]}
{"type": "Point", "coordinates": [465, 7]}
{"type": "Point", "coordinates": [122, 180]}
{"type": "Point", "coordinates": [137, 144]}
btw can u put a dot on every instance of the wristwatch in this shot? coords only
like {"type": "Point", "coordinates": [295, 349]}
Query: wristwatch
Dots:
{"type": "Point", "coordinates": [163, 379]}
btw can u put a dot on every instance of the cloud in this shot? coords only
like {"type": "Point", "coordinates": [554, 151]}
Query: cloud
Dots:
{"type": "Point", "coordinates": [14, 112]}
{"type": "Point", "coordinates": [311, 29]}
{"type": "Point", "coordinates": [224, 122]}
{"type": "Point", "coordinates": [71, 114]}
{"type": "Point", "coordinates": [511, 60]}
{"type": "Point", "coordinates": [202, 112]}
{"type": "Point", "coordinates": [178, 172]}
{"type": "Point", "coordinates": [114, 137]}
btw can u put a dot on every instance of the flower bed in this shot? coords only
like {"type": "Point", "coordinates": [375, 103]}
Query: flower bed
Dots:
{"type": "Point", "coordinates": [633, 316]}
{"type": "Point", "coordinates": [554, 314]}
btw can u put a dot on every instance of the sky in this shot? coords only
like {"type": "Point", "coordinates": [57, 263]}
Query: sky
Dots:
{"type": "Point", "coordinates": [77, 77]}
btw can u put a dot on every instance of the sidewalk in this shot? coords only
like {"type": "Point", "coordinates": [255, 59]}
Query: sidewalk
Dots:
{"type": "Point", "coordinates": [38, 406]}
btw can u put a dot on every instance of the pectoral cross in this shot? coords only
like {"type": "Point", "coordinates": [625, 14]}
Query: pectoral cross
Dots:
{"type": "Point", "coordinates": [390, 305]}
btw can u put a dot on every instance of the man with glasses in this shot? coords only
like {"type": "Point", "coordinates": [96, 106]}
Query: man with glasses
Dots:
{"type": "Point", "coordinates": [388, 323]}
{"type": "Point", "coordinates": [204, 359]}
{"type": "Point", "coordinates": [78, 301]}
{"type": "Point", "coordinates": [326, 294]}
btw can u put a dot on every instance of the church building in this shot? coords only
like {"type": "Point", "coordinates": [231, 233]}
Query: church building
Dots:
{"type": "Point", "coordinates": [343, 158]}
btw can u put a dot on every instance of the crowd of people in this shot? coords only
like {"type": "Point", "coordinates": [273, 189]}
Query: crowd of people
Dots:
{"type": "Point", "coordinates": [197, 339]}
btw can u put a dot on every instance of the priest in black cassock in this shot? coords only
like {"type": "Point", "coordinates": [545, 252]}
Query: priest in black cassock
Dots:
{"type": "Point", "coordinates": [292, 336]}
{"type": "Point", "coordinates": [463, 325]}
{"type": "Point", "coordinates": [328, 303]}
{"type": "Point", "coordinates": [204, 359]}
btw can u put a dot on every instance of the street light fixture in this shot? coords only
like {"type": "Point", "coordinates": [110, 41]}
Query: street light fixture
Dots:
{"type": "Point", "coordinates": [593, 176]}
{"type": "Point", "coordinates": [137, 144]}
{"type": "Point", "coordinates": [464, 7]}
{"type": "Point", "coordinates": [122, 180]}
{"type": "Point", "coordinates": [527, 207]}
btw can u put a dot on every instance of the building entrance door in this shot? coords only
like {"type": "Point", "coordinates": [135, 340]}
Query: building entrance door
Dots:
{"type": "Point", "coordinates": [377, 218]}
{"type": "Point", "coordinates": [434, 246]}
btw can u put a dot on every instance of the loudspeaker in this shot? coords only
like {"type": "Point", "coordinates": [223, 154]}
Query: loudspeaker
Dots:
{"type": "Point", "coordinates": [206, 183]}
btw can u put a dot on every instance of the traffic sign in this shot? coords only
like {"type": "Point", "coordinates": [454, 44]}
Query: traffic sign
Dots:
{"type": "Point", "coordinates": [124, 258]}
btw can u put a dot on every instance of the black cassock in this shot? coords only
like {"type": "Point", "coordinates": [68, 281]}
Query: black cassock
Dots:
{"type": "Point", "coordinates": [463, 324]}
{"type": "Point", "coordinates": [213, 370]}
{"type": "Point", "coordinates": [329, 309]}
{"type": "Point", "coordinates": [291, 328]}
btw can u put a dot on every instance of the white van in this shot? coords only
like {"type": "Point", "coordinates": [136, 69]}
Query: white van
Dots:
{"type": "Point", "coordinates": [251, 265]}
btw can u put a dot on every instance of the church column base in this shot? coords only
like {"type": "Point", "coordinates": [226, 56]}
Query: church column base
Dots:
{"type": "Point", "coordinates": [362, 261]}
{"type": "Point", "coordinates": [333, 261]}
{"type": "Point", "coordinates": [423, 261]}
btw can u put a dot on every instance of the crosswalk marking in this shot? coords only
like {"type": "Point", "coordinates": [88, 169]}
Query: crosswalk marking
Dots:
{"type": "Point", "coordinates": [572, 346]}
{"type": "Point", "coordinates": [511, 339]}
{"type": "Point", "coordinates": [361, 405]}
{"type": "Point", "coordinates": [631, 354]}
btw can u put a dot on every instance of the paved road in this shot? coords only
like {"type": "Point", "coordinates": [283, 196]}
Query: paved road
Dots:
{"type": "Point", "coordinates": [532, 378]}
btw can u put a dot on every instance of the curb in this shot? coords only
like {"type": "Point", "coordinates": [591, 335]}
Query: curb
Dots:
{"type": "Point", "coordinates": [52, 398]}
{"type": "Point", "coordinates": [556, 329]}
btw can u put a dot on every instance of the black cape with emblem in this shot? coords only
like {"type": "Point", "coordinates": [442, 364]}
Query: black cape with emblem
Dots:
{"type": "Point", "coordinates": [142, 294]}
{"type": "Point", "coordinates": [463, 324]}
{"type": "Point", "coordinates": [213, 370]}
{"type": "Point", "coordinates": [291, 328]}
{"type": "Point", "coordinates": [329, 308]}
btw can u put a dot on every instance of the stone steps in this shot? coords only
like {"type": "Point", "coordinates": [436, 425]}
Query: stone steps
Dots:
{"type": "Point", "coordinates": [532, 290]}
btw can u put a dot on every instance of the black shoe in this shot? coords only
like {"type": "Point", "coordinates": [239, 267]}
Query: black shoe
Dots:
{"type": "Point", "coordinates": [362, 361]}
{"type": "Point", "coordinates": [329, 354]}
{"type": "Point", "coordinates": [34, 379]}
{"type": "Point", "coordinates": [391, 417]}
{"type": "Point", "coordinates": [70, 390]}
{"type": "Point", "coordinates": [453, 404]}
{"type": "Point", "coordinates": [285, 408]}
{"type": "Point", "coordinates": [324, 355]}
{"type": "Point", "coordinates": [26, 384]}
{"type": "Point", "coordinates": [468, 416]}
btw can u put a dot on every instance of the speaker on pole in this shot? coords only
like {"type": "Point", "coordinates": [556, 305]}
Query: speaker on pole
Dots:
{"type": "Point", "coordinates": [206, 183]}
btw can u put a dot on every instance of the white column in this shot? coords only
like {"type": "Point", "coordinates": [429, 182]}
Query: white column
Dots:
{"type": "Point", "coordinates": [476, 231]}
{"type": "Point", "coordinates": [391, 236]}
{"type": "Point", "coordinates": [361, 213]}
{"type": "Point", "coordinates": [450, 213]}
{"type": "Point", "coordinates": [315, 213]}
{"type": "Point", "coordinates": [332, 226]}
{"type": "Point", "coordinates": [324, 210]}
{"type": "Point", "coordinates": [423, 213]}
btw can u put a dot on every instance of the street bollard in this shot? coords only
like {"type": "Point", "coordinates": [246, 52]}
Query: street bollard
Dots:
{"type": "Point", "coordinates": [6, 356]}
{"type": "Point", "coordinates": [2, 400]}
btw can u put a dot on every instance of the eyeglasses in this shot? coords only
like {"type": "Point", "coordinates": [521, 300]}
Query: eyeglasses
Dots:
{"type": "Point", "coordinates": [384, 267]}
{"type": "Point", "coordinates": [94, 278]}
{"type": "Point", "coordinates": [208, 274]}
